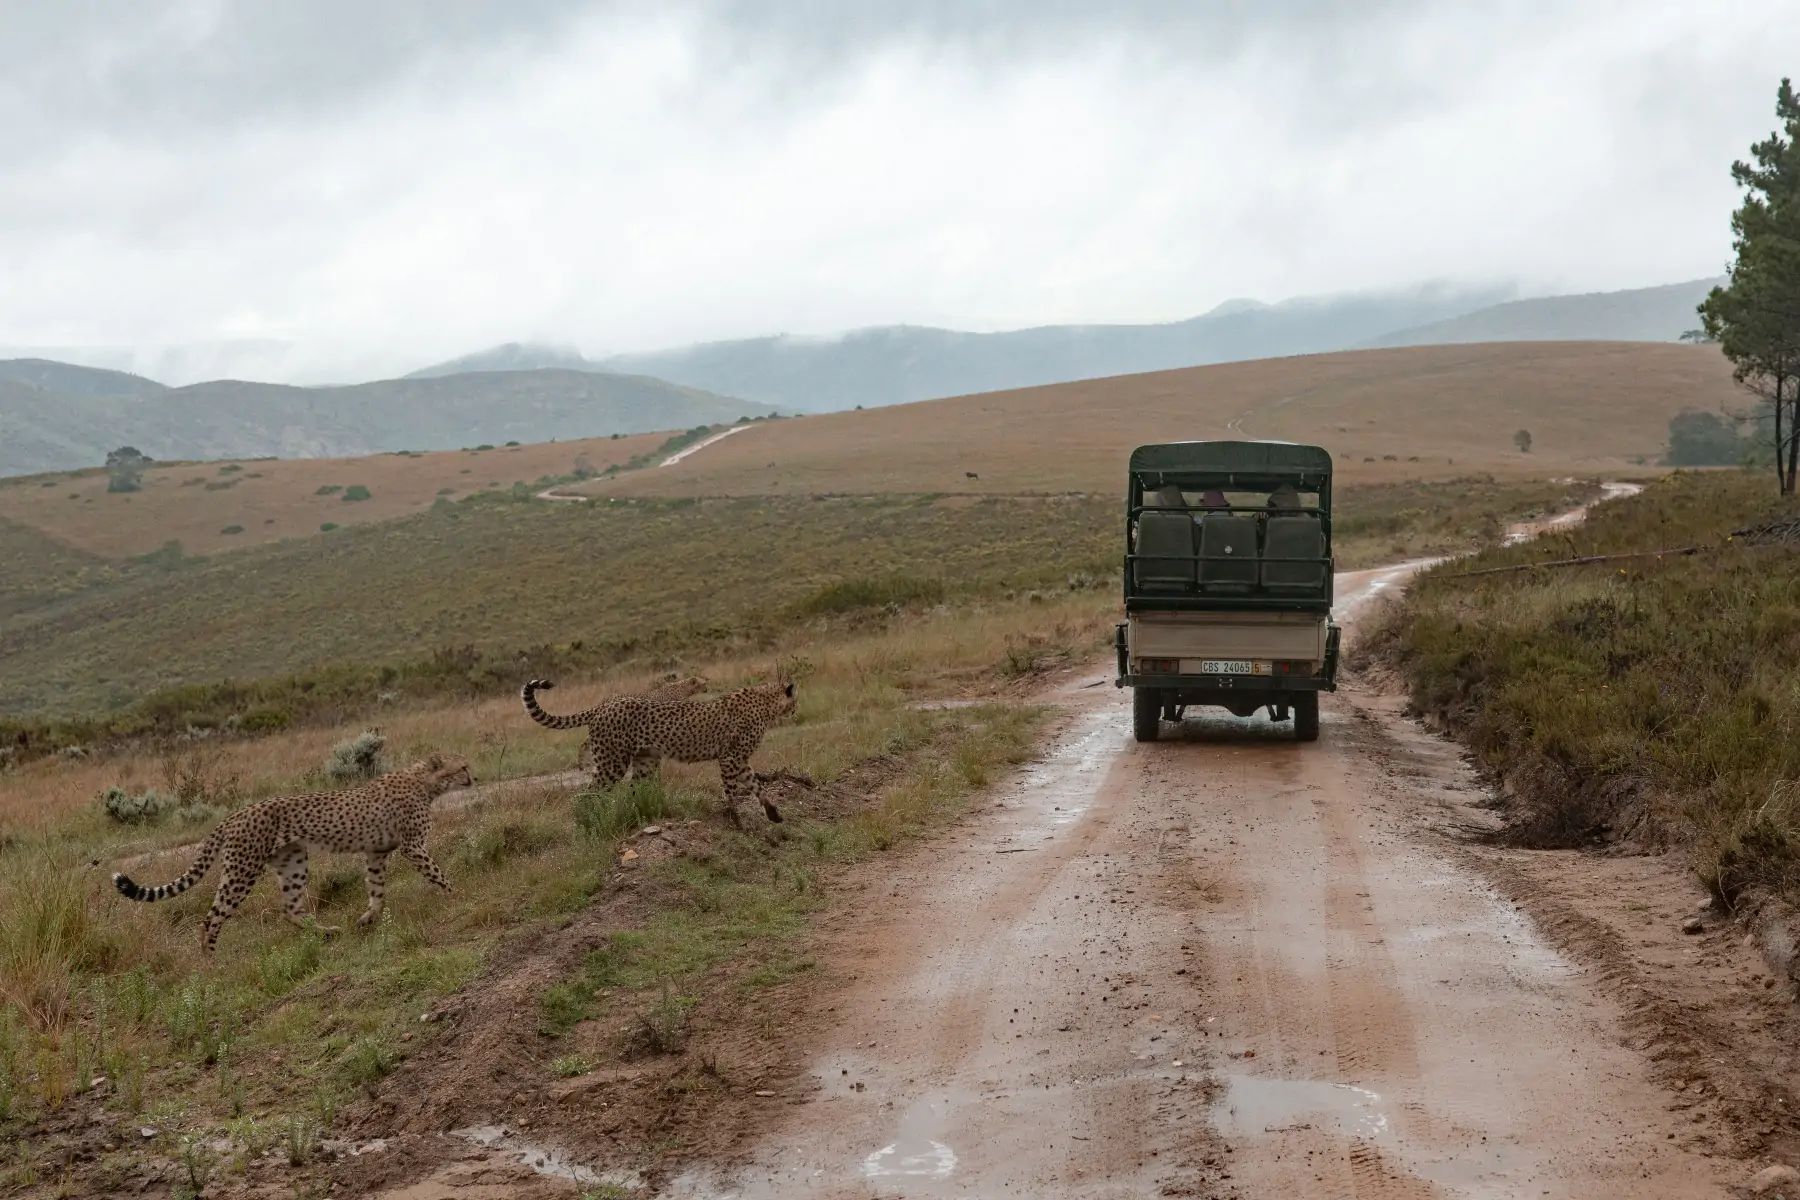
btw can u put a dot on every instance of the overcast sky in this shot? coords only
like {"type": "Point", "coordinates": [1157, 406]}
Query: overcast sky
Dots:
{"type": "Point", "coordinates": [377, 185]}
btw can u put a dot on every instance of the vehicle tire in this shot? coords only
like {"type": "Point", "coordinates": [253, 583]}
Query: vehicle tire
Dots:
{"type": "Point", "coordinates": [1146, 713]}
{"type": "Point", "coordinates": [1306, 716]}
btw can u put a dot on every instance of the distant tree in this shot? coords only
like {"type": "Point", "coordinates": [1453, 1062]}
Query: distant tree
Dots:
{"type": "Point", "coordinates": [1704, 439]}
{"type": "Point", "coordinates": [1522, 440]}
{"type": "Point", "coordinates": [125, 469]}
{"type": "Point", "coordinates": [584, 467]}
{"type": "Point", "coordinates": [1755, 317]}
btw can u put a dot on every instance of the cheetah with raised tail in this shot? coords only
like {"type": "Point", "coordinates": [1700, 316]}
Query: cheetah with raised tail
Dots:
{"type": "Point", "coordinates": [392, 812]}
{"type": "Point", "coordinates": [637, 732]}
{"type": "Point", "coordinates": [673, 687]}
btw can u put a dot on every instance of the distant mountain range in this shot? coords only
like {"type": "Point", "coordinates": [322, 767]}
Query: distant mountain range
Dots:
{"type": "Point", "coordinates": [1658, 314]}
{"type": "Point", "coordinates": [57, 417]}
{"type": "Point", "coordinates": [900, 363]}
{"type": "Point", "coordinates": [54, 416]}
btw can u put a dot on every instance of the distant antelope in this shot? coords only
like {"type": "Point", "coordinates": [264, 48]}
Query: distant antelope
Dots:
{"type": "Point", "coordinates": [971, 475]}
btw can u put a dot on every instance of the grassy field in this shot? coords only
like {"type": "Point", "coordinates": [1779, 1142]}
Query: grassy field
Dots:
{"type": "Point", "coordinates": [269, 499]}
{"type": "Point", "coordinates": [265, 1048]}
{"type": "Point", "coordinates": [498, 574]}
{"type": "Point", "coordinates": [1650, 697]}
{"type": "Point", "coordinates": [471, 596]}
{"type": "Point", "coordinates": [1436, 412]}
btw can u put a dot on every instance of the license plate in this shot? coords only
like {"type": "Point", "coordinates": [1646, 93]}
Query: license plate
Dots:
{"type": "Point", "coordinates": [1232, 666]}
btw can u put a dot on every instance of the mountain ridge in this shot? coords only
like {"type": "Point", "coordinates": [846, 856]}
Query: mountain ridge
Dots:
{"type": "Point", "coordinates": [41, 430]}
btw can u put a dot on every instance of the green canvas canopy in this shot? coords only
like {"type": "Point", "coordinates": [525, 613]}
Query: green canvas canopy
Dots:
{"type": "Point", "coordinates": [1286, 459]}
{"type": "Point", "coordinates": [1229, 465]}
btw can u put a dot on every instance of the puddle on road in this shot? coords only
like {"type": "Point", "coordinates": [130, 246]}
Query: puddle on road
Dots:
{"type": "Point", "coordinates": [543, 1159]}
{"type": "Point", "coordinates": [933, 1160]}
{"type": "Point", "coordinates": [1252, 1106]}
{"type": "Point", "coordinates": [1058, 789]}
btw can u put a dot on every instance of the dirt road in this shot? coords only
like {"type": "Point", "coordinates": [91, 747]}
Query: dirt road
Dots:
{"type": "Point", "coordinates": [1224, 964]}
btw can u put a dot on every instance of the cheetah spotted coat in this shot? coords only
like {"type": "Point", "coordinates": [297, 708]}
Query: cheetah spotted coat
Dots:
{"type": "Point", "coordinates": [386, 814]}
{"type": "Point", "coordinates": [672, 687]}
{"type": "Point", "coordinates": [638, 732]}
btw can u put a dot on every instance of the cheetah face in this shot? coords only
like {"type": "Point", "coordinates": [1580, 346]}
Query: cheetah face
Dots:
{"type": "Point", "coordinates": [446, 770]}
{"type": "Point", "coordinates": [454, 773]}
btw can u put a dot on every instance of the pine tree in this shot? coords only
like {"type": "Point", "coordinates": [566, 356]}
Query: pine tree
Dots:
{"type": "Point", "coordinates": [1755, 318]}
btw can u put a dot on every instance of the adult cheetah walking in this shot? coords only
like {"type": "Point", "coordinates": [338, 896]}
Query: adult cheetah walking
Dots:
{"type": "Point", "coordinates": [604, 714]}
{"type": "Point", "coordinates": [635, 733]}
{"type": "Point", "coordinates": [392, 812]}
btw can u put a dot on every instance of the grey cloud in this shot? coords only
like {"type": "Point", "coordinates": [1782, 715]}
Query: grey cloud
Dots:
{"type": "Point", "coordinates": [403, 180]}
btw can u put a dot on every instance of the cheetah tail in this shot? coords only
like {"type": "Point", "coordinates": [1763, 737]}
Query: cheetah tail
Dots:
{"type": "Point", "coordinates": [203, 861]}
{"type": "Point", "coordinates": [527, 694]}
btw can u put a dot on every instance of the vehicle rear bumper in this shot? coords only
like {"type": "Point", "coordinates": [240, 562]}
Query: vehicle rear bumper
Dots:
{"type": "Point", "coordinates": [1200, 686]}
{"type": "Point", "coordinates": [1233, 684]}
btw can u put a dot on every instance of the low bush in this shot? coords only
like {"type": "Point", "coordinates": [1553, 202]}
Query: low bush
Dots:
{"type": "Point", "coordinates": [356, 491]}
{"type": "Point", "coordinates": [357, 758]}
{"type": "Point", "coordinates": [630, 805]}
{"type": "Point", "coordinates": [135, 808]}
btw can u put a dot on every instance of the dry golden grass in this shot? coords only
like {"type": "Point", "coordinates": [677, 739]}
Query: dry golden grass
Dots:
{"type": "Point", "coordinates": [278, 498]}
{"type": "Point", "coordinates": [955, 651]}
{"type": "Point", "coordinates": [1593, 408]}
{"type": "Point", "coordinates": [283, 1024]}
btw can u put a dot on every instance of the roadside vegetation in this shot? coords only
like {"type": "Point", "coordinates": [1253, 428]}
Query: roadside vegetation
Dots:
{"type": "Point", "coordinates": [466, 599]}
{"type": "Point", "coordinates": [1646, 697]}
{"type": "Point", "coordinates": [111, 1023]}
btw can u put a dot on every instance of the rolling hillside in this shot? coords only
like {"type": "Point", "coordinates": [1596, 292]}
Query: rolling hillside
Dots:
{"type": "Point", "coordinates": [44, 429]}
{"type": "Point", "coordinates": [1658, 314]}
{"type": "Point", "coordinates": [71, 380]}
{"type": "Point", "coordinates": [1438, 411]}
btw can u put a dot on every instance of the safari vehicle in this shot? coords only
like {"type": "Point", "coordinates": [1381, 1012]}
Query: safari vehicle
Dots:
{"type": "Point", "coordinates": [1228, 583]}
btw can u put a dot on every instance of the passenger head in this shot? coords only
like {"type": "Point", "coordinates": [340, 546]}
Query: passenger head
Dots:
{"type": "Point", "coordinates": [1284, 497]}
{"type": "Point", "coordinates": [1213, 499]}
{"type": "Point", "coordinates": [1169, 496]}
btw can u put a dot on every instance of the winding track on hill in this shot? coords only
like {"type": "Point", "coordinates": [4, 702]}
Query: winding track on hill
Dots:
{"type": "Point", "coordinates": [1223, 964]}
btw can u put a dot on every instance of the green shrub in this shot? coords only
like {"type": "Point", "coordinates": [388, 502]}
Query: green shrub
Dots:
{"type": "Point", "coordinates": [357, 758]}
{"type": "Point", "coordinates": [232, 529]}
{"type": "Point", "coordinates": [620, 809]}
{"type": "Point", "coordinates": [501, 837]}
{"type": "Point", "coordinates": [328, 526]}
{"type": "Point", "coordinates": [570, 1065]}
{"type": "Point", "coordinates": [368, 1059]}
{"type": "Point", "coordinates": [356, 491]}
{"type": "Point", "coordinates": [328, 489]}
{"type": "Point", "coordinates": [135, 808]}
